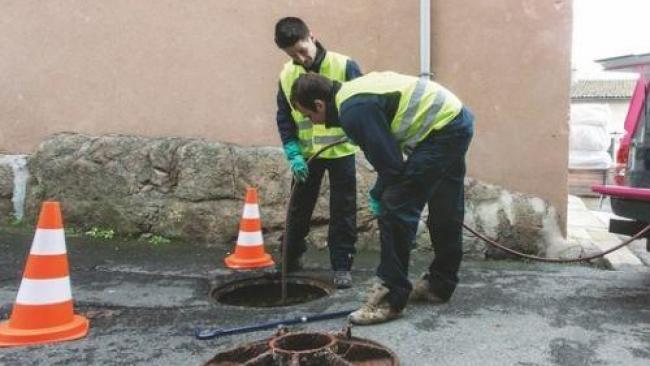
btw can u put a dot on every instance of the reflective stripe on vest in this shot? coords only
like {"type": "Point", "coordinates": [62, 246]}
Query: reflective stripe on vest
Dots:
{"type": "Point", "coordinates": [326, 140]}
{"type": "Point", "coordinates": [424, 105]}
{"type": "Point", "coordinates": [313, 137]}
{"type": "Point", "coordinates": [409, 115]}
{"type": "Point", "coordinates": [305, 124]}
{"type": "Point", "coordinates": [429, 120]}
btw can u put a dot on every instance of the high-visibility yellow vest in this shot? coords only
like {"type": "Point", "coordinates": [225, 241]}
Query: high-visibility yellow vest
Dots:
{"type": "Point", "coordinates": [424, 105]}
{"type": "Point", "coordinates": [314, 137]}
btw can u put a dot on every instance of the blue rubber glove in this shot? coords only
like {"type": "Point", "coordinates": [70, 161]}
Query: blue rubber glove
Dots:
{"type": "Point", "coordinates": [297, 162]}
{"type": "Point", "coordinates": [374, 205]}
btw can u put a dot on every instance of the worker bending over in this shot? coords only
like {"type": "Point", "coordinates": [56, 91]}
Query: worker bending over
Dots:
{"type": "Point", "coordinates": [389, 115]}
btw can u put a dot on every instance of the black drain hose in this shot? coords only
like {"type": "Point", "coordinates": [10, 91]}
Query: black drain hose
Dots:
{"type": "Point", "coordinates": [557, 260]}
{"type": "Point", "coordinates": [283, 249]}
{"type": "Point", "coordinates": [636, 236]}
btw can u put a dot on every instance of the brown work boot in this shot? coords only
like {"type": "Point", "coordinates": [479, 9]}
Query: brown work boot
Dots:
{"type": "Point", "coordinates": [376, 309]}
{"type": "Point", "coordinates": [422, 291]}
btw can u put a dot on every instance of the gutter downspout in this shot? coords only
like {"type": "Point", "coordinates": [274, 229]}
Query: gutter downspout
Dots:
{"type": "Point", "coordinates": [425, 38]}
{"type": "Point", "coordinates": [18, 164]}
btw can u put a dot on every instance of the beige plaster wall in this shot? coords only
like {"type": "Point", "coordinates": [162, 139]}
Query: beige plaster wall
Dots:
{"type": "Point", "coordinates": [168, 67]}
{"type": "Point", "coordinates": [509, 60]}
{"type": "Point", "coordinates": [206, 68]}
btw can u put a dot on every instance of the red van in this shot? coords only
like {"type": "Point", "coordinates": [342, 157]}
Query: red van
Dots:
{"type": "Point", "coordinates": [630, 193]}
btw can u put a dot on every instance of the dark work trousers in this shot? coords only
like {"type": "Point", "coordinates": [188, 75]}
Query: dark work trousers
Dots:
{"type": "Point", "coordinates": [433, 175]}
{"type": "Point", "coordinates": [342, 234]}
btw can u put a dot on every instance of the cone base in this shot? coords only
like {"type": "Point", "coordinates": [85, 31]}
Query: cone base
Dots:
{"type": "Point", "coordinates": [76, 328]}
{"type": "Point", "coordinates": [235, 262]}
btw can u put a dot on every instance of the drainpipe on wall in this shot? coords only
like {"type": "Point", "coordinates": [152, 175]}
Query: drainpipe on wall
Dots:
{"type": "Point", "coordinates": [18, 164]}
{"type": "Point", "coordinates": [425, 38]}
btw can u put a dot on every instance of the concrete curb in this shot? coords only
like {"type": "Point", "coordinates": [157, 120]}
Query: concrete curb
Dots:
{"type": "Point", "coordinates": [588, 228]}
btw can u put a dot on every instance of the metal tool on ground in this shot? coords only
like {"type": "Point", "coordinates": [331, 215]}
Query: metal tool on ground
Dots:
{"type": "Point", "coordinates": [220, 332]}
{"type": "Point", "coordinates": [283, 249]}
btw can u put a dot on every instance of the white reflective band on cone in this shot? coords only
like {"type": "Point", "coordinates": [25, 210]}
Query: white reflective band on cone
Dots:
{"type": "Point", "coordinates": [42, 292]}
{"type": "Point", "coordinates": [48, 242]}
{"type": "Point", "coordinates": [251, 211]}
{"type": "Point", "coordinates": [247, 239]}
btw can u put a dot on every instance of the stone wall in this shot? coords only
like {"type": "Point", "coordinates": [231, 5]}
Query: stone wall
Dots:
{"type": "Point", "coordinates": [193, 189]}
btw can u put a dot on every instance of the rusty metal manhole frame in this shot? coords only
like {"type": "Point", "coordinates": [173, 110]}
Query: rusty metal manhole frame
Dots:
{"type": "Point", "coordinates": [295, 349]}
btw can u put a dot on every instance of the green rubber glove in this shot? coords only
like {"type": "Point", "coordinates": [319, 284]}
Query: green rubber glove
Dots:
{"type": "Point", "coordinates": [374, 205]}
{"type": "Point", "coordinates": [297, 162]}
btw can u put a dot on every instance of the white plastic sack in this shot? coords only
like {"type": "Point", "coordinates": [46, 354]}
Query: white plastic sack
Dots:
{"type": "Point", "coordinates": [589, 138]}
{"type": "Point", "coordinates": [590, 114]}
{"type": "Point", "coordinates": [579, 159]}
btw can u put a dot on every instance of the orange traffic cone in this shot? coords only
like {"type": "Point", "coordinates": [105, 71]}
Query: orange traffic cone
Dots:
{"type": "Point", "coordinates": [249, 252]}
{"type": "Point", "coordinates": [43, 310]}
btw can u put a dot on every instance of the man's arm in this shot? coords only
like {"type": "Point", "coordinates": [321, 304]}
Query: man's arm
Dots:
{"type": "Point", "coordinates": [365, 123]}
{"type": "Point", "coordinates": [352, 70]}
{"type": "Point", "coordinates": [286, 126]}
{"type": "Point", "coordinates": [289, 136]}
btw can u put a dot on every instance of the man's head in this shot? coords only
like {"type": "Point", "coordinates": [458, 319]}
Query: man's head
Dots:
{"type": "Point", "coordinates": [310, 94]}
{"type": "Point", "coordinates": [293, 36]}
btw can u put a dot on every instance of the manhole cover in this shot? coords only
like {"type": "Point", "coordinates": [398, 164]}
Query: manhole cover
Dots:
{"type": "Point", "coordinates": [267, 292]}
{"type": "Point", "coordinates": [308, 349]}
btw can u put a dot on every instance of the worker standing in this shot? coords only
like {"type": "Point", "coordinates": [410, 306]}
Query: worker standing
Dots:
{"type": "Point", "coordinates": [301, 140]}
{"type": "Point", "coordinates": [388, 115]}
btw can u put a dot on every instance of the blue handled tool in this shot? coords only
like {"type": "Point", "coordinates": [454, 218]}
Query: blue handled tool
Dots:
{"type": "Point", "coordinates": [219, 332]}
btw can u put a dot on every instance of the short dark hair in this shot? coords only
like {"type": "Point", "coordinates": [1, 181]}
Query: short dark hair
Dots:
{"type": "Point", "coordinates": [309, 87]}
{"type": "Point", "coordinates": [290, 30]}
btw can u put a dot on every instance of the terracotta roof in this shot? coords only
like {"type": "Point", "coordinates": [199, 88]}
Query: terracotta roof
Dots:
{"type": "Point", "coordinates": [602, 89]}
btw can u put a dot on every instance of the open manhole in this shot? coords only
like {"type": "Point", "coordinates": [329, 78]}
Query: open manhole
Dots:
{"type": "Point", "coordinates": [267, 291]}
{"type": "Point", "coordinates": [308, 348]}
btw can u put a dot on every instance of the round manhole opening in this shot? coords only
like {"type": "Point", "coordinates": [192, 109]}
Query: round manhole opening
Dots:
{"type": "Point", "coordinates": [301, 342]}
{"type": "Point", "coordinates": [267, 292]}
